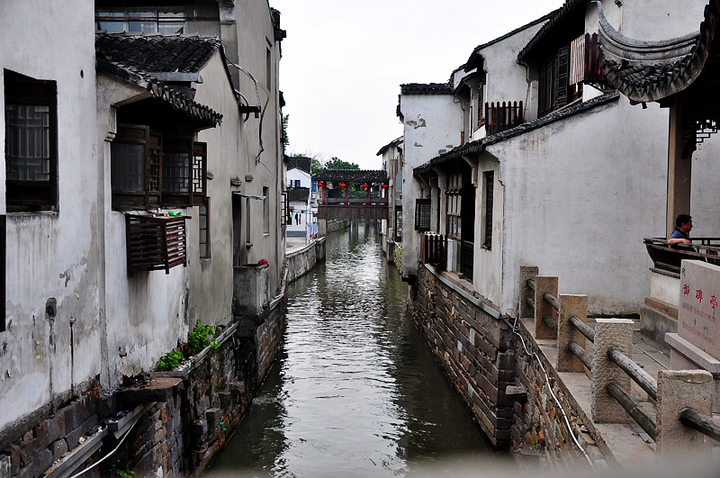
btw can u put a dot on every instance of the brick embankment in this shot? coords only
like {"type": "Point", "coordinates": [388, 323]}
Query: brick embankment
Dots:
{"type": "Point", "coordinates": [511, 386]}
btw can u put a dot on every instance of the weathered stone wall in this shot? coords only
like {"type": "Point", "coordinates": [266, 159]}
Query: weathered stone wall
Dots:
{"type": "Point", "coordinates": [473, 347]}
{"type": "Point", "coordinates": [188, 416]}
{"type": "Point", "coordinates": [539, 430]}
{"type": "Point", "coordinates": [503, 385]}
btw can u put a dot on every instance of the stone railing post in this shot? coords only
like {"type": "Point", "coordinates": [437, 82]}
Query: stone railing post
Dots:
{"type": "Point", "coordinates": [610, 333]}
{"type": "Point", "coordinates": [544, 284]}
{"type": "Point", "coordinates": [678, 389]}
{"type": "Point", "coordinates": [526, 272]}
{"type": "Point", "coordinates": [570, 304]}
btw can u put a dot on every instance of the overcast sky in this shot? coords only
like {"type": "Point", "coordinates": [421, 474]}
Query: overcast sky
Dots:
{"type": "Point", "coordinates": [344, 61]}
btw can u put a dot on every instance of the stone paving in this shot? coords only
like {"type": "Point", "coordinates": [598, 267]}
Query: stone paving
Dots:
{"type": "Point", "coordinates": [627, 442]}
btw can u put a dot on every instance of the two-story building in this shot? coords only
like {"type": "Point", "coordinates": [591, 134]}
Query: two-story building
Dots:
{"type": "Point", "coordinates": [142, 194]}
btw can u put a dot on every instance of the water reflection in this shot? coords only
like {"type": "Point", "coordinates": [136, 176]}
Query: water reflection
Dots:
{"type": "Point", "coordinates": [355, 392]}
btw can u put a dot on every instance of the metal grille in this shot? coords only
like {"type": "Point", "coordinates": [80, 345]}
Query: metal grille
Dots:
{"type": "Point", "coordinates": [422, 214]}
{"type": "Point", "coordinates": [27, 134]}
{"type": "Point", "coordinates": [128, 166]}
{"type": "Point", "coordinates": [176, 172]}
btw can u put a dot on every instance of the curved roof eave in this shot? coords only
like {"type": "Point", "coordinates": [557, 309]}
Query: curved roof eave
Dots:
{"type": "Point", "coordinates": [653, 71]}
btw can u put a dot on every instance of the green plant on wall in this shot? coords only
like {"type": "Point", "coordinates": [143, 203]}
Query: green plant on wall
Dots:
{"type": "Point", "coordinates": [170, 360]}
{"type": "Point", "coordinates": [125, 473]}
{"type": "Point", "coordinates": [200, 337]}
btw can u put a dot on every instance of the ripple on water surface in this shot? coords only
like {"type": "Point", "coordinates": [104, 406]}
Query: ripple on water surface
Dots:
{"type": "Point", "coordinates": [355, 390]}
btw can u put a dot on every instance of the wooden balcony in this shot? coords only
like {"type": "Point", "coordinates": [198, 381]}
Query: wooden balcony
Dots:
{"type": "Point", "coordinates": [434, 250]}
{"type": "Point", "coordinates": [669, 258]}
{"type": "Point", "coordinates": [502, 117]}
{"type": "Point", "coordinates": [155, 242]}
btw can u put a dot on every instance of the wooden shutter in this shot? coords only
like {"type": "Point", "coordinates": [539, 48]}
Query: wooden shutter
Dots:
{"type": "Point", "coordinates": [562, 76]}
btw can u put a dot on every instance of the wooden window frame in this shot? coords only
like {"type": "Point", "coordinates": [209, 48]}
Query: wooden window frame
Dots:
{"type": "Point", "coordinates": [204, 232]}
{"type": "Point", "coordinates": [398, 224]}
{"type": "Point", "coordinates": [266, 211]}
{"type": "Point", "coordinates": [453, 210]}
{"type": "Point", "coordinates": [489, 187]}
{"type": "Point", "coordinates": [423, 214]}
{"type": "Point", "coordinates": [31, 195]}
{"type": "Point", "coordinates": [155, 191]}
{"type": "Point", "coordinates": [3, 254]}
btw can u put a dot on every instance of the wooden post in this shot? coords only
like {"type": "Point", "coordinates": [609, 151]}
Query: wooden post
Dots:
{"type": "Point", "coordinates": [526, 272]}
{"type": "Point", "coordinates": [679, 169]}
{"type": "Point", "coordinates": [570, 305]}
{"type": "Point", "coordinates": [610, 333]}
{"type": "Point", "coordinates": [544, 284]}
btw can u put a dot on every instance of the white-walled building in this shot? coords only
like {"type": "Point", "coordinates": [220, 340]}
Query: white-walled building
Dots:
{"type": "Point", "coordinates": [571, 180]}
{"type": "Point", "coordinates": [113, 140]}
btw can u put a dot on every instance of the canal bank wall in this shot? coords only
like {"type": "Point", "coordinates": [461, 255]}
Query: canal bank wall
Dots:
{"type": "Point", "coordinates": [501, 374]}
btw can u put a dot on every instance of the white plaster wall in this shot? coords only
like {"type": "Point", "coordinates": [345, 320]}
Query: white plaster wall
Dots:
{"type": "Point", "coordinates": [705, 194]}
{"type": "Point", "coordinates": [660, 19]}
{"type": "Point", "coordinates": [505, 78]}
{"type": "Point", "coordinates": [579, 197]}
{"type": "Point", "coordinates": [146, 313]}
{"type": "Point", "coordinates": [53, 254]}
{"type": "Point", "coordinates": [431, 123]}
{"type": "Point", "coordinates": [255, 34]}
{"type": "Point", "coordinates": [211, 279]}
{"type": "Point", "coordinates": [487, 266]}
{"type": "Point", "coordinates": [296, 174]}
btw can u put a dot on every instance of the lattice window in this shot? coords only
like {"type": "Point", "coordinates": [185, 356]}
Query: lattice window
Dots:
{"type": "Point", "coordinates": [30, 143]}
{"type": "Point", "coordinates": [489, 177]}
{"type": "Point", "coordinates": [176, 172]}
{"type": "Point", "coordinates": [422, 214]}
{"type": "Point", "coordinates": [204, 227]}
{"type": "Point", "coordinates": [398, 224]}
{"type": "Point", "coordinates": [199, 171]}
{"type": "Point", "coordinates": [454, 205]}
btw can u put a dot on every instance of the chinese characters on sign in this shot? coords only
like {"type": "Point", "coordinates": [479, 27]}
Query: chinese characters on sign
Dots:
{"type": "Point", "coordinates": [698, 311]}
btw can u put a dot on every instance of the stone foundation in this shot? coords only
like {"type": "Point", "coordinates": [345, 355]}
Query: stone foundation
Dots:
{"type": "Point", "coordinates": [501, 382]}
{"type": "Point", "coordinates": [170, 425]}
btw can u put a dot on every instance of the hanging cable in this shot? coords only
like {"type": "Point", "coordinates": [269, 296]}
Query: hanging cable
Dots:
{"type": "Point", "coordinates": [531, 354]}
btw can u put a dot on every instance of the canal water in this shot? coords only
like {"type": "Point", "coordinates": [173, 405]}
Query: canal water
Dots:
{"type": "Point", "coordinates": [355, 392]}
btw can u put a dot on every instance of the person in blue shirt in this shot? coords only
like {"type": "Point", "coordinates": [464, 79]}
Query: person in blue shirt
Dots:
{"type": "Point", "coordinates": [681, 234]}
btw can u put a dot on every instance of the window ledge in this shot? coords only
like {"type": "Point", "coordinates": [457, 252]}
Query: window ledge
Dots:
{"type": "Point", "coordinates": [52, 214]}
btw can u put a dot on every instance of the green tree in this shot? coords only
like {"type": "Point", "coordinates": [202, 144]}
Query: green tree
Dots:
{"type": "Point", "coordinates": [317, 166]}
{"type": "Point", "coordinates": [284, 139]}
{"type": "Point", "coordinates": [337, 163]}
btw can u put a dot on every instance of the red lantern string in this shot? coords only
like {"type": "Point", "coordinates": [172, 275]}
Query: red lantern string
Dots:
{"type": "Point", "coordinates": [343, 185]}
{"type": "Point", "coordinates": [384, 186]}
{"type": "Point", "coordinates": [364, 186]}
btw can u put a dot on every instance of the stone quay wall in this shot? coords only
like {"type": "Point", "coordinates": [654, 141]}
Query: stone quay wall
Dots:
{"type": "Point", "coordinates": [500, 382]}
{"type": "Point", "coordinates": [177, 421]}
{"type": "Point", "coordinates": [473, 348]}
{"type": "Point", "coordinates": [539, 431]}
{"type": "Point", "coordinates": [302, 261]}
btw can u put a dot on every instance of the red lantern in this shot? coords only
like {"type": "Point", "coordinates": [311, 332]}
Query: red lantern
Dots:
{"type": "Point", "coordinates": [343, 185]}
{"type": "Point", "coordinates": [320, 184]}
{"type": "Point", "coordinates": [384, 186]}
{"type": "Point", "coordinates": [364, 186]}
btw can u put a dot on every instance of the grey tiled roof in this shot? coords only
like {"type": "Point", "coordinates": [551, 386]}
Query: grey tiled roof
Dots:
{"type": "Point", "coordinates": [653, 79]}
{"type": "Point", "coordinates": [156, 53]}
{"type": "Point", "coordinates": [556, 18]}
{"type": "Point", "coordinates": [426, 89]}
{"type": "Point", "coordinates": [143, 59]}
{"type": "Point", "coordinates": [300, 162]}
{"type": "Point", "coordinates": [352, 175]}
{"type": "Point", "coordinates": [298, 194]}
{"type": "Point", "coordinates": [480, 144]}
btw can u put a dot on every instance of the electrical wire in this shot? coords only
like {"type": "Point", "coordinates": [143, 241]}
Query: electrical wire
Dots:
{"type": "Point", "coordinates": [76, 475]}
{"type": "Point", "coordinates": [531, 354]}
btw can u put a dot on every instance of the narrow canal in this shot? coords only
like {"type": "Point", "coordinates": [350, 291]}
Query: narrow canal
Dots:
{"type": "Point", "coordinates": [355, 391]}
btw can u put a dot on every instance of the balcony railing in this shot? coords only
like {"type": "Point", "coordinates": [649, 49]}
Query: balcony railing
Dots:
{"type": "Point", "coordinates": [434, 250]}
{"type": "Point", "coordinates": [155, 242]}
{"type": "Point", "coordinates": [668, 258]}
{"type": "Point", "coordinates": [502, 117]}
